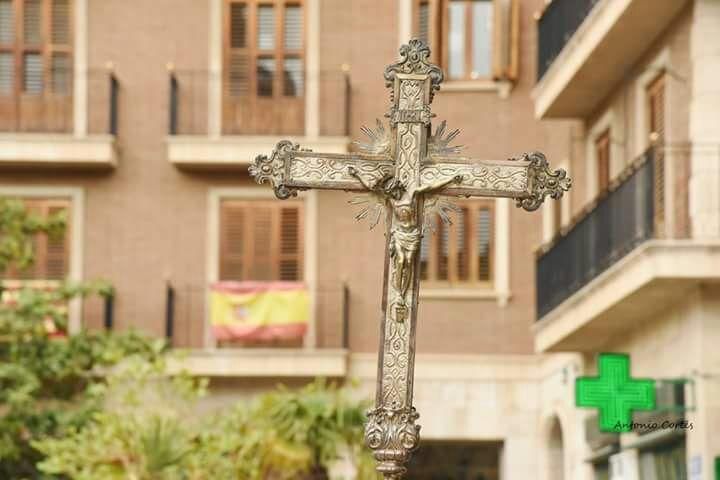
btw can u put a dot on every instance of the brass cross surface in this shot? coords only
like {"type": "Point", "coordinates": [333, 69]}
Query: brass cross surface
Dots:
{"type": "Point", "coordinates": [406, 169]}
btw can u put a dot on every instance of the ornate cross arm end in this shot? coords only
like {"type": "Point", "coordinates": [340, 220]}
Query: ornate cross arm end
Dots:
{"type": "Point", "coordinates": [393, 435]}
{"type": "Point", "coordinates": [543, 182]}
{"type": "Point", "coordinates": [415, 59]}
{"type": "Point", "coordinates": [274, 169]}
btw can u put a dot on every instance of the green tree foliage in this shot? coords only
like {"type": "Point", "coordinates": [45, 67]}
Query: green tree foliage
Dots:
{"type": "Point", "coordinates": [106, 406]}
{"type": "Point", "coordinates": [48, 385]}
{"type": "Point", "coordinates": [147, 435]}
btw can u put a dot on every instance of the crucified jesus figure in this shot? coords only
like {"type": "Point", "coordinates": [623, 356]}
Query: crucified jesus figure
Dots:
{"type": "Point", "coordinates": [407, 234]}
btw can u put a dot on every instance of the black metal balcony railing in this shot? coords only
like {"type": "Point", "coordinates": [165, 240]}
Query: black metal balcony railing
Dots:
{"type": "Point", "coordinates": [557, 25]}
{"type": "Point", "coordinates": [188, 107]}
{"type": "Point", "coordinates": [48, 112]}
{"type": "Point", "coordinates": [617, 224]}
{"type": "Point", "coordinates": [185, 311]}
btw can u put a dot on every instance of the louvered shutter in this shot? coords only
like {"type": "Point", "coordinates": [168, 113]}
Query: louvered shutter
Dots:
{"type": "Point", "coordinates": [56, 257]}
{"type": "Point", "coordinates": [506, 39]}
{"type": "Point", "coordinates": [484, 239]}
{"type": "Point", "coordinates": [423, 21]}
{"type": "Point", "coordinates": [60, 57]}
{"type": "Point", "coordinates": [460, 253]}
{"type": "Point", "coordinates": [602, 156]}
{"type": "Point", "coordinates": [290, 243]}
{"type": "Point", "coordinates": [656, 109]}
{"type": "Point", "coordinates": [7, 40]}
{"type": "Point", "coordinates": [232, 241]}
{"type": "Point", "coordinates": [32, 23]}
{"type": "Point", "coordinates": [293, 75]}
{"type": "Point", "coordinates": [51, 255]}
{"type": "Point", "coordinates": [261, 241]}
{"type": "Point", "coordinates": [265, 65]}
{"type": "Point", "coordinates": [7, 73]}
{"type": "Point", "coordinates": [263, 247]}
{"type": "Point", "coordinates": [238, 66]}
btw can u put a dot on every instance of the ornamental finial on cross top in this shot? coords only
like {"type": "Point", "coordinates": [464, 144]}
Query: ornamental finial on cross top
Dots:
{"type": "Point", "coordinates": [405, 171]}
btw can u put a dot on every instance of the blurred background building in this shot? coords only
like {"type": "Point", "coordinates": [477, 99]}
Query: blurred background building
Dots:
{"type": "Point", "coordinates": [140, 118]}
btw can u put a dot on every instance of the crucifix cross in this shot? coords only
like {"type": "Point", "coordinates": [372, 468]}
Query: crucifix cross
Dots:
{"type": "Point", "coordinates": [405, 169]}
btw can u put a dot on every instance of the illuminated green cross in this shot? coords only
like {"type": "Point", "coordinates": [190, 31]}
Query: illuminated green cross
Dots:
{"type": "Point", "coordinates": [614, 393]}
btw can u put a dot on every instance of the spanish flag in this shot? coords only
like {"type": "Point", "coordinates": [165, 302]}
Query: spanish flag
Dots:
{"type": "Point", "coordinates": [259, 311]}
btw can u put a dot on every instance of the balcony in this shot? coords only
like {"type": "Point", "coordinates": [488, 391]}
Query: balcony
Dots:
{"type": "Point", "coordinates": [628, 255]}
{"type": "Point", "coordinates": [585, 47]}
{"type": "Point", "coordinates": [44, 129]}
{"type": "Point", "coordinates": [322, 353]}
{"type": "Point", "coordinates": [248, 124]}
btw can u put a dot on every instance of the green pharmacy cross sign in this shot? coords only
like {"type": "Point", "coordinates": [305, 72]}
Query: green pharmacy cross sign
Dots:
{"type": "Point", "coordinates": [614, 393]}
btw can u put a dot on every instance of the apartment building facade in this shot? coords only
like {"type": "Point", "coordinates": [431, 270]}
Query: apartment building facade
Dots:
{"type": "Point", "coordinates": [140, 119]}
{"type": "Point", "coordinates": [631, 263]}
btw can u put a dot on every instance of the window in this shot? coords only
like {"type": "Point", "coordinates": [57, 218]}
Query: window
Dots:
{"type": "Point", "coordinates": [602, 157]}
{"type": "Point", "coordinates": [264, 66]}
{"type": "Point", "coordinates": [472, 39]}
{"type": "Point", "coordinates": [51, 254]}
{"type": "Point", "coordinates": [656, 134]}
{"type": "Point", "coordinates": [557, 216]}
{"type": "Point", "coordinates": [261, 240]}
{"type": "Point", "coordinates": [656, 109]}
{"type": "Point", "coordinates": [36, 64]}
{"type": "Point", "coordinates": [460, 253]}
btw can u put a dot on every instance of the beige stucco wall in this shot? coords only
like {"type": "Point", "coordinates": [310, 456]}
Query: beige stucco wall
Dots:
{"type": "Point", "coordinates": [625, 112]}
{"type": "Point", "coordinates": [673, 344]}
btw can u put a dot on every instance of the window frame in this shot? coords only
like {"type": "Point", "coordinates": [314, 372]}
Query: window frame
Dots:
{"type": "Point", "coordinates": [254, 53]}
{"type": "Point", "coordinates": [46, 48]}
{"type": "Point", "coordinates": [602, 145]}
{"type": "Point", "coordinates": [504, 52]}
{"type": "Point", "coordinates": [431, 282]}
{"type": "Point", "coordinates": [42, 241]}
{"type": "Point", "coordinates": [276, 254]}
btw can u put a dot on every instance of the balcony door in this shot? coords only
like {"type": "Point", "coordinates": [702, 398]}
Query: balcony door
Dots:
{"type": "Point", "coordinates": [264, 67]}
{"type": "Point", "coordinates": [36, 65]}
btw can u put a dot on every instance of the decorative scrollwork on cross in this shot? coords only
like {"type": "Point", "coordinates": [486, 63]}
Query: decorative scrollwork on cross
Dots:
{"type": "Point", "coordinates": [274, 169]}
{"type": "Point", "coordinates": [543, 182]}
{"type": "Point", "coordinates": [414, 59]}
{"type": "Point", "coordinates": [406, 173]}
{"type": "Point", "coordinates": [393, 435]}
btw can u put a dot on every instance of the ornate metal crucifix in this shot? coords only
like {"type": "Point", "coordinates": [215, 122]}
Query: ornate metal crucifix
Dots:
{"type": "Point", "coordinates": [405, 169]}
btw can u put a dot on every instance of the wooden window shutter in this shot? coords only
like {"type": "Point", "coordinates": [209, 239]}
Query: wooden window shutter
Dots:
{"type": "Point", "coordinates": [36, 65]}
{"type": "Point", "coordinates": [656, 124]}
{"type": "Point", "coordinates": [264, 67]}
{"type": "Point", "coordinates": [261, 240]}
{"type": "Point", "coordinates": [56, 257]}
{"type": "Point", "coordinates": [238, 63]}
{"type": "Point", "coordinates": [462, 252]}
{"type": "Point", "coordinates": [232, 241]}
{"type": "Point", "coordinates": [60, 55]}
{"type": "Point", "coordinates": [506, 40]}
{"type": "Point", "coordinates": [427, 25]}
{"type": "Point", "coordinates": [602, 156]}
{"type": "Point", "coordinates": [51, 255]}
{"type": "Point", "coordinates": [557, 216]}
{"type": "Point", "coordinates": [484, 242]}
{"type": "Point", "coordinates": [656, 109]}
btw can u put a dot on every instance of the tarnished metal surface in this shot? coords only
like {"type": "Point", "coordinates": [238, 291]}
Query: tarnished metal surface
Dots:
{"type": "Point", "coordinates": [404, 169]}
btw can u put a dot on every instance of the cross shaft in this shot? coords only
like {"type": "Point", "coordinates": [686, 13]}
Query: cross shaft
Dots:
{"type": "Point", "coordinates": [404, 170]}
